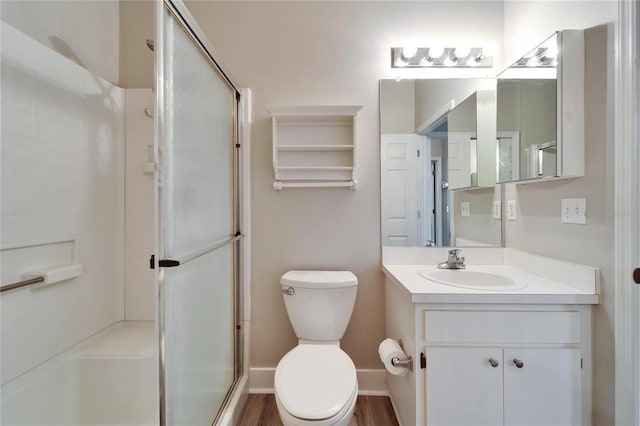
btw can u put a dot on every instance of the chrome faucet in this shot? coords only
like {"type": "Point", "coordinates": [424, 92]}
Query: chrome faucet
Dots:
{"type": "Point", "coordinates": [453, 262]}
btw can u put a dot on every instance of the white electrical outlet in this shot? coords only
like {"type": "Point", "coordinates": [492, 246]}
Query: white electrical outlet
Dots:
{"type": "Point", "coordinates": [465, 209]}
{"type": "Point", "coordinates": [497, 210]}
{"type": "Point", "coordinates": [574, 210]}
{"type": "Point", "coordinates": [512, 210]}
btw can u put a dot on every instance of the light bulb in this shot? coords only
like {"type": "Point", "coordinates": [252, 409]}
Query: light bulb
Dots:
{"type": "Point", "coordinates": [552, 51]}
{"type": "Point", "coordinates": [462, 52]}
{"type": "Point", "coordinates": [436, 52]}
{"type": "Point", "coordinates": [409, 52]}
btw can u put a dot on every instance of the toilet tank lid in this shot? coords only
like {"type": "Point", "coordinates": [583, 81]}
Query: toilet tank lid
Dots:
{"type": "Point", "coordinates": [319, 279]}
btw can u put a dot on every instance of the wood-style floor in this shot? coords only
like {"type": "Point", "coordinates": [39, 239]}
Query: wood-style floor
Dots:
{"type": "Point", "coordinates": [261, 410]}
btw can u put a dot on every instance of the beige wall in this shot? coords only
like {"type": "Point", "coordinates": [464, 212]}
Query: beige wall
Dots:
{"type": "Point", "coordinates": [528, 106]}
{"type": "Point", "coordinates": [310, 53]}
{"type": "Point", "coordinates": [539, 230]}
{"type": "Point", "coordinates": [432, 96]}
{"type": "Point", "coordinates": [480, 226]}
{"type": "Point", "coordinates": [464, 117]}
{"type": "Point", "coordinates": [528, 23]}
{"type": "Point", "coordinates": [87, 32]}
{"type": "Point", "coordinates": [137, 23]}
{"type": "Point", "coordinates": [397, 106]}
{"type": "Point", "coordinates": [323, 53]}
{"type": "Point", "coordinates": [307, 53]}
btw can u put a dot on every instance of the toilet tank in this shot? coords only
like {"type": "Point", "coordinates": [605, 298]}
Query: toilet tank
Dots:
{"type": "Point", "coordinates": [319, 303]}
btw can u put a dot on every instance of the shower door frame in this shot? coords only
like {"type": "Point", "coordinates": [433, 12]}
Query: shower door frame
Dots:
{"type": "Point", "coordinates": [188, 23]}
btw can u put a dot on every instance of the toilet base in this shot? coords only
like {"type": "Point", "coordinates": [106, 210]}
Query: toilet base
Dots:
{"type": "Point", "coordinates": [341, 419]}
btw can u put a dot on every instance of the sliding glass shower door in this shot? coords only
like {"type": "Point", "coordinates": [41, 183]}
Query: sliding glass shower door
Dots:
{"type": "Point", "coordinates": [197, 222]}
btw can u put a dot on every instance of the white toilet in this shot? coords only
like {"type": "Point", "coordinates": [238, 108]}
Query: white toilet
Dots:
{"type": "Point", "coordinates": [315, 382]}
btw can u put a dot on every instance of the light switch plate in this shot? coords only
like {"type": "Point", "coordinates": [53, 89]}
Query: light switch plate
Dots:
{"type": "Point", "coordinates": [465, 209]}
{"type": "Point", "coordinates": [497, 210]}
{"type": "Point", "coordinates": [574, 210]}
{"type": "Point", "coordinates": [512, 210]}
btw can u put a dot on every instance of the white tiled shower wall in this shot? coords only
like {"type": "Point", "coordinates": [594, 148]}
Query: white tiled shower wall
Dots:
{"type": "Point", "coordinates": [62, 178]}
{"type": "Point", "coordinates": [139, 206]}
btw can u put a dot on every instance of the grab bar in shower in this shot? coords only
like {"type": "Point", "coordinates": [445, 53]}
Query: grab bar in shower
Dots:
{"type": "Point", "coordinates": [46, 275]}
{"type": "Point", "coordinates": [22, 283]}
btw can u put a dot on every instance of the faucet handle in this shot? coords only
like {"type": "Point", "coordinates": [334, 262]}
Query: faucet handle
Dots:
{"type": "Point", "coordinates": [454, 252]}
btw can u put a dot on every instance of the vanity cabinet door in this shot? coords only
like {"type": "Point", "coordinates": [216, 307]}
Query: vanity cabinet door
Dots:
{"type": "Point", "coordinates": [542, 386]}
{"type": "Point", "coordinates": [463, 387]}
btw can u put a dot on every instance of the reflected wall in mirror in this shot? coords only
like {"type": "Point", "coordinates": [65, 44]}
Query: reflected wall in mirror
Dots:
{"type": "Point", "coordinates": [462, 127]}
{"type": "Point", "coordinates": [527, 129]}
{"type": "Point", "coordinates": [529, 94]}
{"type": "Point", "coordinates": [438, 135]}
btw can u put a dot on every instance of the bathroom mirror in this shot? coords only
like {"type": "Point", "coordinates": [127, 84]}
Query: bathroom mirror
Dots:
{"type": "Point", "coordinates": [531, 99]}
{"type": "Point", "coordinates": [527, 101]}
{"type": "Point", "coordinates": [438, 156]}
{"type": "Point", "coordinates": [527, 129]}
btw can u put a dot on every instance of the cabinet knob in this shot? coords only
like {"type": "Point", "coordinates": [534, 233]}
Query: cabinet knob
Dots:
{"type": "Point", "coordinates": [493, 362]}
{"type": "Point", "coordinates": [518, 363]}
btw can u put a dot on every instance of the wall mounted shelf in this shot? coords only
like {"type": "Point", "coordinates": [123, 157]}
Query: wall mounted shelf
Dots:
{"type": "Point", "coordinates": [314, 146]}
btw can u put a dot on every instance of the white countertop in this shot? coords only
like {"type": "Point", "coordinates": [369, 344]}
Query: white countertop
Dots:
{"type": "Point", "coordinates": [538, 289]}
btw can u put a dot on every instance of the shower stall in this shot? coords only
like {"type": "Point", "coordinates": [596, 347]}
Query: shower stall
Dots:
{"type": "Point", "coordinates": [123, 246]}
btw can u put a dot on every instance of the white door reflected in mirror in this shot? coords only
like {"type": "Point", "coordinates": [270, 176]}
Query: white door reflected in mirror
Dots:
{"type": "Point", "coordinates": [438, 156]}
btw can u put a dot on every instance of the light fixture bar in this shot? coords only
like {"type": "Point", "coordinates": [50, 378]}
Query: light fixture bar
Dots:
{"type": "Point", "coordinates": [438, 57]}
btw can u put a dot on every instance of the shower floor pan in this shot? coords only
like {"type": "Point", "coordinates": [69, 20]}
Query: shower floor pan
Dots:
{"type": "Point", "coordinates": [108, 379]}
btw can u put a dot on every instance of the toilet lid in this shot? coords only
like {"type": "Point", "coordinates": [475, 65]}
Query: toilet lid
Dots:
{"type": "Point", "coordinates": [315, 382]}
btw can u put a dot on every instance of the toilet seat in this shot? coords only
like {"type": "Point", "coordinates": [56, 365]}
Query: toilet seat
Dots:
{"type": "Point", "coordinates": [343, 418]}
{"type": "Point", "coordinates": [316, 382]}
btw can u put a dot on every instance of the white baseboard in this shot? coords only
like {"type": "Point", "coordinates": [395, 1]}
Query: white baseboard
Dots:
{"type": "Point", "coordinates": [370, 381]}
{"type": "Point", "coordinates": [261, 379]}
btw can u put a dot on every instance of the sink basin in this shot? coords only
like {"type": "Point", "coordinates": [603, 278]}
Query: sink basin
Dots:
{"type": "Point", "coordinates": [465, 278]}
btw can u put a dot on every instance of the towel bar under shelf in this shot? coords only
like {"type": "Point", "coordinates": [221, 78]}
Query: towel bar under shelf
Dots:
{"type": "Point", "coordinates": [279, 185]}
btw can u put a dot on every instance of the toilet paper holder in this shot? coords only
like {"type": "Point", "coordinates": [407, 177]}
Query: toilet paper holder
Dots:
{"type": "Point", "coordinates": [397, 362]}
{"type": "Point", "coordinates": [407, 363]}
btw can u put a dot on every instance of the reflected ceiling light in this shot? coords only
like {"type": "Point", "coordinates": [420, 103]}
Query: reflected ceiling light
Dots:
{"type": "Point", "coordinates": [460, 53]}
{"type": "Point", "coordinates": [424, 57]}
{"type": "Point", "coordinates": [543, 56]}
{"type": "Point", "coordinates": [436, 52]}
{"type": "Point", "coordinates": [409, 52]}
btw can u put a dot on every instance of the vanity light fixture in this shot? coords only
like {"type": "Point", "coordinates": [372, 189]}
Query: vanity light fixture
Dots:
{"type": "Point", "coordinates": [429, 57]}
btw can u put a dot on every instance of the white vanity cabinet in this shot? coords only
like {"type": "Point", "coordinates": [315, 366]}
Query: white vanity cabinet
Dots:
{"type": "Point", "coordinates": [502, 367]}
{"type": "Point", "coordinates": [483, 362]}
